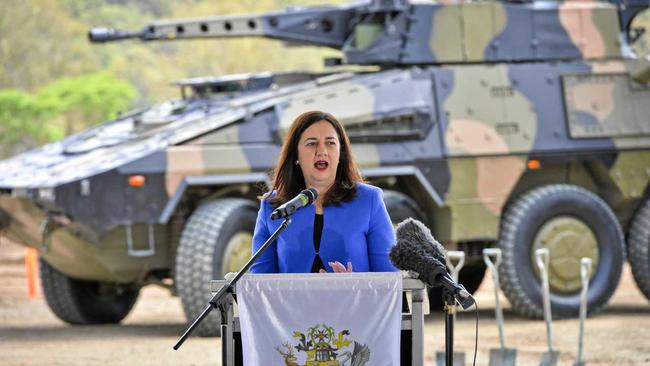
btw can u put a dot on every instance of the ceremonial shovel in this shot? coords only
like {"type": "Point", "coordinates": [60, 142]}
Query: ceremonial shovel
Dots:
{"type": "Point", "coordinates": [550, 357]}
{"type": "Point", "coordinates": [585, 272]}
{"type": "Point", "coordinates": [498, 356]}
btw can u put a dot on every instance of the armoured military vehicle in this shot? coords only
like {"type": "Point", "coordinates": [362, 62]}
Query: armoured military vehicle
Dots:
{"type": "Point", "coordinates": [511, 124]}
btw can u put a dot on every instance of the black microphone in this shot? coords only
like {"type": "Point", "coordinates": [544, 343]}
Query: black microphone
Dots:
{"type": "Point", "coordinates": [287, 209]}
{"type": "Point", "coordinates": [416, 250]}
{"type": "Point", "coordinates": [414, 231]}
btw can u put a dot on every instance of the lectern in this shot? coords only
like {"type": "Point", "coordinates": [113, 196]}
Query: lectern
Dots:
{"type": "Point", "coordinates": [412, 324]}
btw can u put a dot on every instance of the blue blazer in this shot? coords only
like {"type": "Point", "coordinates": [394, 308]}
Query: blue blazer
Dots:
{"type": "Point", "coordinates": [359, 231]}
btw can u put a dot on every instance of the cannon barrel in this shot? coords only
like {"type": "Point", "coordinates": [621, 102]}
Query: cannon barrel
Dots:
{"type": "Point", "coordinates": [103, 34]}
{"type": "Point", "coordinates": [401, 32]}
{"type": "Point", "coordinates": [321, 26]}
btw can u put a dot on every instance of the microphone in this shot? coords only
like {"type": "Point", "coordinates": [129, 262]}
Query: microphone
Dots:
{"type": "Point", "coordinates": [414, 231]}
{"type": "Point", "coordinates": [287, 209]}
{"type": "Point", "coordinates": [416, 250]}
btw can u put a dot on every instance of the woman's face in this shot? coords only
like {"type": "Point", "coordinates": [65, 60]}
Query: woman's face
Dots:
{"type": "Point", "coordinates": [318, 155]}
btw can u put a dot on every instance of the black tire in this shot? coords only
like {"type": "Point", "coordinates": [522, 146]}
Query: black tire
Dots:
{"type": "Point", "coordinates": [526, 217]}
{"type": "Point", "coordinates": [85, 302]}
{"type": "Point", "coordinates": [639, 248]}
{"type": "Point", "coordinates": [400, 207]}
{"type": "Point", "coordinates": [200, 255]}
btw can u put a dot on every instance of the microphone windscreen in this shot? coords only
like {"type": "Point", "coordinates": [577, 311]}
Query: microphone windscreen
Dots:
{"type": "Point", "coordinates": [311, 194]}
{"type": "Point", "coordinates": [404, 256]}
{"type": "Point", "coordinates": [414, 231]}
{"type": "Point", "coordinates": [411, 256]}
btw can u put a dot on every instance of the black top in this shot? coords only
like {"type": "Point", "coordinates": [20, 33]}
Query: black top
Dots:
{"type": "Point", "coordinates": [317, 265]}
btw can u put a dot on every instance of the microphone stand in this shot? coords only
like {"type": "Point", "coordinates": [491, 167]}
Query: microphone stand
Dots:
{"type": "Point", "coordinates": [219, 300]}
{"type": "Point", "coordinates": [450, 310]}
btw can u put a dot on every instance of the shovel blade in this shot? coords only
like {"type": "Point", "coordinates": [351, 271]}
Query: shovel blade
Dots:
{"type": "Point", "coordinates": [549, 358]}
{"type": "Point", "coordinates": [459, 359]}
{"type": "Point", "coordinates": [503, 356]}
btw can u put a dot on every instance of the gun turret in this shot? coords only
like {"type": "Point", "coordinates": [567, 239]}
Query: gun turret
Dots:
{"type": "Point", "coordinates": [397, 32]}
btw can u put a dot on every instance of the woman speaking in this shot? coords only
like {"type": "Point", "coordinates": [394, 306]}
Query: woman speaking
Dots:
{"type": "Point", "coordinates": [346, 229]}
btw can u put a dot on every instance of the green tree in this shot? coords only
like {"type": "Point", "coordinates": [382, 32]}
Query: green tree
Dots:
{"type": "Point", "coordinates": [39, 43]}
{"type": "Point", "coordinates": [83, 101]}
{"type": "Point", "coordinates": [42, 41]}
{"type": "Point", "coordinates": [62, 108]}
{"type": "Point", "coordinates": [23, 122]}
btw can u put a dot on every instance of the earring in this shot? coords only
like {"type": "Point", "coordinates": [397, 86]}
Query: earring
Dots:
{"type": "Point", "coordinates": [297, 162]}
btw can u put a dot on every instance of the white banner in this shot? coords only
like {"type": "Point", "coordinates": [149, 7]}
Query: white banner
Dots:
{"type": "Point", "coordinates": [344, 319]}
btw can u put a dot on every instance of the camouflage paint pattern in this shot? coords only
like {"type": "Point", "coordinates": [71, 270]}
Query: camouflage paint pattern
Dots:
{"type": "Point", "coordinates": [498, 31]}
{"type": "Point", "coordinates": [497, 121]}
{"type": "Point", "coordinates": [593, 27]}
{"type": "Point", "coordinates": [598, 106]}
{"type": "Point", "coordinates": [466, 95]}
{"type": "Point", "coordinates": [197, 160]}
{"type": "Point", "coordinates": [74, 256]}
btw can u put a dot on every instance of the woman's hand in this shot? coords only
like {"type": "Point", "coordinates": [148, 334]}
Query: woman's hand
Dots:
{"type": "Point", "coordinates": [338, 267]}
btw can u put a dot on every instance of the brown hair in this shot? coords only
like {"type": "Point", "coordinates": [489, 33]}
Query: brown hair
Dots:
{"type": "Point", "coordinates": [288, 180]}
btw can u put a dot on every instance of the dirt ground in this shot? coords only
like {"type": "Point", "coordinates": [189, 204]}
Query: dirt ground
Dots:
{"type": "Point", "coordinates": [31, 335]}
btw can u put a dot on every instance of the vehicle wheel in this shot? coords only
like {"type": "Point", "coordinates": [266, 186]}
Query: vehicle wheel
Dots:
{"type": "Point", "coordinates": [85, 302]}
{"type": "Point", "coordinates": [639, 248]}
{"type": "Point", "coordinates": [572, 223]}
{"type": "Point", "coordinates": [400, 207]}
{"type": "Point", "coordinates": [216, 239]}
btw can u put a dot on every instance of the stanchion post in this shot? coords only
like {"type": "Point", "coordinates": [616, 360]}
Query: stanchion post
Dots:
{"type": "Point", "coordinates": [455, 262]}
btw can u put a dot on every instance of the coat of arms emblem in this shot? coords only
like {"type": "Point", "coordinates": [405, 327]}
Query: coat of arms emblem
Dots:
{"type": "Point", "coordinates": [323, 347]}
